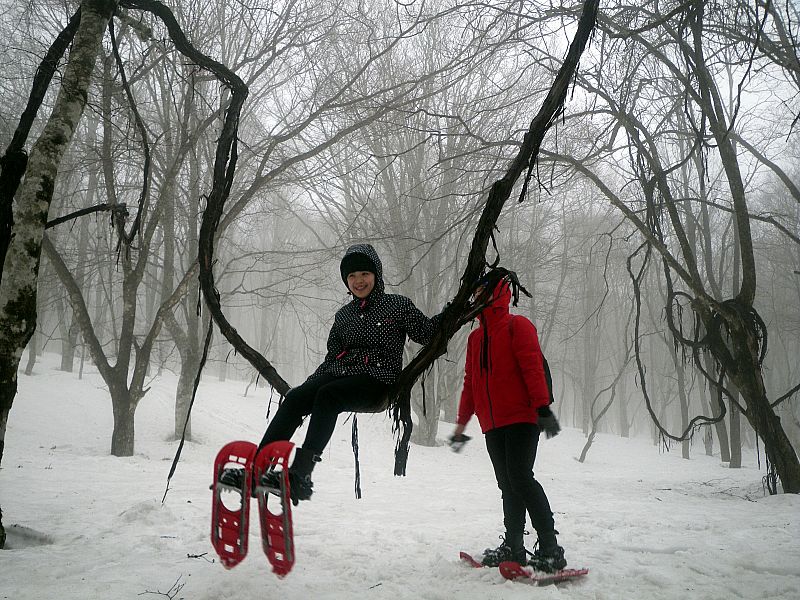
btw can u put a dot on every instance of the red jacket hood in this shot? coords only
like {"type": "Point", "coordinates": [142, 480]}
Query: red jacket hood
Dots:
{"type": "Point", "coordinates": [498, 309]}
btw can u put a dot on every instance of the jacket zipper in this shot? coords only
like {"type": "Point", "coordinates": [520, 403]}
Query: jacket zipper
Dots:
{"type": "Point", "coordinates": [519, 366]}
{"type": "Point", "coordinates": [488, 394]}
{"type": "Point", "coordinates": [489, 400]}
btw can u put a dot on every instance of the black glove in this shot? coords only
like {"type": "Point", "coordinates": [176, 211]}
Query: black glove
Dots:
{"type": "Point", "coordinates": [457, 441]}
{"type": "Point", "coordinates": [548, 423]}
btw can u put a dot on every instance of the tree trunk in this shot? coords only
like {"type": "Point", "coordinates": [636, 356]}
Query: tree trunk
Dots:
{"type": "Point", "coordinates": [223, 367]}
{"type": "Point", "coordinates": [70, 345]}
{"type": "Point", "coordinates": [708, 431]}
{"type": "Point", "coordinates": [622, 409]}
{"type": "Point", "coordinates": [427, 412]}
{"type": "Point", "coordinates": [680, 370]}
{"type": "Point", "coordinates": [448, 388]}
{"type": "Point", "coordinates": [124, 408]}
{"type": "Point", "coordinates": [192, 352]}
{"type": "Point", "coordinates": [715, 397]}
{"type": "Point", "coordinates": [733, 411]}
{"type": "Point", "coordinates": [83, 361]}
{"type": "Point", "coordinates": [8, 389]}
{"type": "Point", "coordinates": [190, 363]}
{"type": "Point", "coordinates": [588, 372]}
{"type": "Point", "coordinates": [33, 347]}
{"type": "Point", "coordinates": [740, 347]}
{"type": "Point", "coordinates": [21, 265]}
{"type": "Point", "coordinates": [736, 434]}
{"type": "Point", "coordinates": [767, 425]}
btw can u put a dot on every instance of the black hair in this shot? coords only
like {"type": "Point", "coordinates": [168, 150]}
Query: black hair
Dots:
{"type": "Point", "coordinates": [495, 275]}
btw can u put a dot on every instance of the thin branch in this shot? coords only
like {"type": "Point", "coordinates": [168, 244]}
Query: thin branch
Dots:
{"type": "Point", "coordinates": [88, 211]}
{"type": "Point", "coordinates": [786, 396]}
{"type": "Point", "coordinates": [770, 219]}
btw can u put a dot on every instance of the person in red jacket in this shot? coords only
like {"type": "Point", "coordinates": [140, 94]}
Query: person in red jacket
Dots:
{"type": "Point", "coordinates": [505, 387]}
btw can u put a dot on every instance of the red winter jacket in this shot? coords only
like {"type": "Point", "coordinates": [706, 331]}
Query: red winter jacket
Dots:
{"type": "Point", "coordinates": [504, 379]}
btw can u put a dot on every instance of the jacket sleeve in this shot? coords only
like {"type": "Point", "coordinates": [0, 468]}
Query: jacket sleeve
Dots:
{"type": "Point", "coordinates": [466, 406]}
{"type": "Point", "coordinates": [418, 327]}
{"type": "Point", "coordinates": [528, 353]}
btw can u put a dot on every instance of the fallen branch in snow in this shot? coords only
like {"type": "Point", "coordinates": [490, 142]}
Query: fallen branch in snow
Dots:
{"type": "Point", "coordinates": [203, 556]}
{"type": "Point", "coordinates": [173, 591]}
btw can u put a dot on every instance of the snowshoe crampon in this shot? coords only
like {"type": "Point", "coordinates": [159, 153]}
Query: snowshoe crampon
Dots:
{"type": "Point", "coordinates": [230, 508]}
{"type": "Point", "coordinates": [277, 539]}
{"type": "Point", "coordinates": [516, 571]}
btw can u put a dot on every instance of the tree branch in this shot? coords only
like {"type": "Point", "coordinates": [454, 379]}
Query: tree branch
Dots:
{"type": "Point", "coordinates": [224, 169]}
{"type": "Point", "coordinates": [120, 208]}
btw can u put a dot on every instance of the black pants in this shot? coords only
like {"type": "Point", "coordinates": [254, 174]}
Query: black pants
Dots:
{"type": "Point", "coordinates": [324, 398]}
{"type": "Point", "coordinates": [513, 450]}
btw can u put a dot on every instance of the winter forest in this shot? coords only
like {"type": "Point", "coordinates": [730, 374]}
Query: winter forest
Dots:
{"type": "Point", "coordinates": [180, 181]}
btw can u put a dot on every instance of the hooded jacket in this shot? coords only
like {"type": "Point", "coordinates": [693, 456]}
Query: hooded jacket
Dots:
{"type": "Point", "coordinates": [368, 336]}
{"type": "Point", "coordinates": [504, 381]}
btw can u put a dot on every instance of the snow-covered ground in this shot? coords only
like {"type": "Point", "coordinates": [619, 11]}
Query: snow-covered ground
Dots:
{"type": "Point", "coordinates": [85, 525]}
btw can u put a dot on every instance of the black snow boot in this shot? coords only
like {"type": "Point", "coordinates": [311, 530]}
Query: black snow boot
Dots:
{"type": "Point", "coordinates": [548, 556]}
{"type": "Point", "coordinates": [512, 549]}
{"type": "Point", "coordinates": [233, 477]}
{"type": "Point", "coordinates": [300, 484]}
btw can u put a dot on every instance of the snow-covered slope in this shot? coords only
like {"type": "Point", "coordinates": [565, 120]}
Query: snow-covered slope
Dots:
{"type": "Point", "coordinates": [85, 525]}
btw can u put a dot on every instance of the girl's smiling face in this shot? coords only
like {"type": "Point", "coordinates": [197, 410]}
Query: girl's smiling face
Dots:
{"type": "Point", "coordinates": [360, 283]}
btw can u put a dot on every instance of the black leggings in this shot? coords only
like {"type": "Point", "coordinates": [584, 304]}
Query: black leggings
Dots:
{"type": "Point", "coordinates": [513, 450]}
{"type": "Point", "coordinates": [324, 398]}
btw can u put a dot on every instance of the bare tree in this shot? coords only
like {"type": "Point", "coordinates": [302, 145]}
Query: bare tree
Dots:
{"type": "Point", "coordinates": [670, 61]}
{"type": "Point", "coordinates": [33, 198]}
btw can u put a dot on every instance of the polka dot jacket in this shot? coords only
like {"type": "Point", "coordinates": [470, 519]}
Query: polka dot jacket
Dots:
{"type": "Point", "coordinates": [368, 336]}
